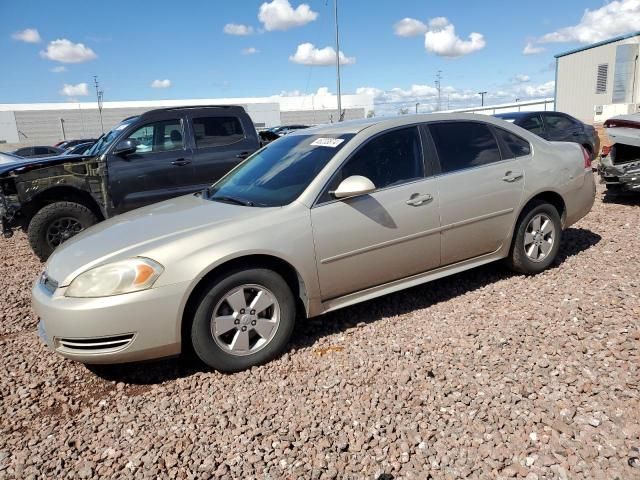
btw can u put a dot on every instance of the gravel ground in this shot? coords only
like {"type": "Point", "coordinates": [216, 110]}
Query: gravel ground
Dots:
{"type": "Point", "coordinates": [481, 375]}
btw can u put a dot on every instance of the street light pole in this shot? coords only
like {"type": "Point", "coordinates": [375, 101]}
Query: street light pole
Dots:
{"type": "Point", "coordinates": [335, 11]}
{"type": "Point", "coordinates": [99, 94]}
{"type": "Point", "coordinates": [482, 94]}
{"type": "Point", "coordinates": [417, 107]}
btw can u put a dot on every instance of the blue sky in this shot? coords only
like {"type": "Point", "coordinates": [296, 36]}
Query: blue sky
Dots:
{"type": "Point", "coordinates": [129, 45]}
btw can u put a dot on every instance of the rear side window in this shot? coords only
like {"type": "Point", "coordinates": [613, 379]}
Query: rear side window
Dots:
{"type": "Point", "coordinates": [216, 131]}
{"type": "Point", "coordinates": [533, 124]}
{"type": "Point", "coordinates": [558, 122]}
{"type": "Point", "coordinates": [41, 151]}
{"type": "Point", "coordinates": [517, 146]}
{"type": "Point", "coordinates": [463, 145]}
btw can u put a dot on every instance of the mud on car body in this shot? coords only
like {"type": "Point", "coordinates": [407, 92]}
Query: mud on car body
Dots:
{"type": "Point", "coordinates": [145, 159]}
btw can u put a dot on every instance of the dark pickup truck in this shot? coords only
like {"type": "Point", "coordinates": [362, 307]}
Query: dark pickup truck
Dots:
{"type": "Point", "coordinates": [145, 159]}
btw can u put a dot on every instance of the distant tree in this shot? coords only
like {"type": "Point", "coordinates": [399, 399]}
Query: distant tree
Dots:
{"type": "Point", "coordinates": [371, 114]}
{"type": "Point", "coordinates": [403, 111]}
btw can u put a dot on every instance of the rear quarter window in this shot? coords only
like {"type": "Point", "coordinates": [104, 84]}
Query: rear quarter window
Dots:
{"type": "Point", "coordinates": [516, 146]}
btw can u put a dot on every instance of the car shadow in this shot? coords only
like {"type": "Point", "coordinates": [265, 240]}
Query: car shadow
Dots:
{"type": "Point", "coordinates": [631, 199]}
{"type": "Point", "coordinates": [307, 333]}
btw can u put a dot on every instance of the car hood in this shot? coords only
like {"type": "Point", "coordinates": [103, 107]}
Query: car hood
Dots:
{"type": "Point", "coordinates": [143, 230]}
{"type": "Point", "coordinates": [12, 164]}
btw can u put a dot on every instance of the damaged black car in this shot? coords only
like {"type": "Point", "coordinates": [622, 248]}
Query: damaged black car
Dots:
{"type": "Point", "coordinates": [145, 159]}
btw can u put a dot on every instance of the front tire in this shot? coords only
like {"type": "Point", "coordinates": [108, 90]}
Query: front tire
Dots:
{"type": "Point", "coordinates": [537, 239]}
{"type": "Point", "coordinates": [55, 223]}
{"type": "Point", "coordinates": [244, 319]}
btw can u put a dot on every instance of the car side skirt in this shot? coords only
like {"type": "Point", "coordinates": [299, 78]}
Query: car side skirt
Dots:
{"type": "Point", "coordinates": [404, 283]}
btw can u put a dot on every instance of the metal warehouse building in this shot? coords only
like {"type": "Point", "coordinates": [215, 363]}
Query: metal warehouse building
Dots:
{"type": "Point", "coordinates": [49, 123]}
{"type": "Point", "coordinates": [601, 80]}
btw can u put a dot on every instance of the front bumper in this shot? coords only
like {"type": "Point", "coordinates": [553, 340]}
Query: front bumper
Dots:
{"type": "Point", "coordinates": [119, 329]}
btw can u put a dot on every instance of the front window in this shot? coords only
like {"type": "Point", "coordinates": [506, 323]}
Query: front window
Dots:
{"type": "Point", "coordinates": [105, 141]}
{"type": "Point", "coordinates": [279, 173]}
{"type": "Point", "coordinates": [162, 136]}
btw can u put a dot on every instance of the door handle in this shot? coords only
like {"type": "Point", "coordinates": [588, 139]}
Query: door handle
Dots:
{"type": "Point", "coordinates": [416, 199]}
{"type": "Point", "coordinates": [242, 155]}
{"type": "Point", "coordinates": [512, 177]}
{"type": "Point", "coordinates": [181, 162]}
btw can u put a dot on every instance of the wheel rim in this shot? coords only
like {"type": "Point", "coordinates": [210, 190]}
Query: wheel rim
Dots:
{"type": "Point", "coordinates": [539, 237]}
{"type": "Point", "coordinates": [62, 229]}
{"type": "Point", "coordinates": [245, 320]}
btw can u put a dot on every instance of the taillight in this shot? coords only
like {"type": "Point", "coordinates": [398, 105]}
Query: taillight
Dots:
{"type": "Point", "coordinates": [587, 157]}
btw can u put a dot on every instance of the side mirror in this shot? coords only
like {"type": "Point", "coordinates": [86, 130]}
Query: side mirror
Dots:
{"type": "Point", "coordinates": [126, 147]}
{"type": "Point", "coordinates": [354, 186]}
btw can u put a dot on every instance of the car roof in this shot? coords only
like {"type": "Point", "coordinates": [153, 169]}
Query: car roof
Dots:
{"type": "Point", "coordinates": [515, 114]}
{"type": "Point", "coordinates": [381, 123]}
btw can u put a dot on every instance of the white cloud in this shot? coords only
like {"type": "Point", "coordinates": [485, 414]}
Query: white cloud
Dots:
{"type": "Point", "coordinates": [531, 49]}
{"type": "Point", "coordinates": [28, 35]}
{"type": "Point", "coordinates": [238, 29]}
{"type": "Point", "coordinates": [389, 102]}
{"type": "Point", "coordinates": [79, 90]}
{"type": "Point", "coordinates": [250, 51]}
{"type": "Point", "coordinates": [166, 83]}
{"type": "Point", "coordinates": [613, 18]}
{"type": "Point", "coordinates": [280, 15]}
{"type": "Point", "coordinates": [409, 27]}
{"type": "Point", "coordinates": [441, 39]}
{"type": "Point", "coordinates": [65, 51]}
{"type": "Point", "coordinates": [521, 78]}
{"type": "Point", "coordinates": [59, 69]}
{"type": "Point", "coordinates": [308, 54]}
{"type": "Point", "coordinates": [538, 91]}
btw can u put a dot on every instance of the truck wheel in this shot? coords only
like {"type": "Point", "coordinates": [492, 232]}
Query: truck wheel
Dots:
{"type": "Point", "coordinates": [56, 223]}
{"type": "Point", "coordinates": [536, 240]}
{"type": "Point", "coordinates": [243, 319]}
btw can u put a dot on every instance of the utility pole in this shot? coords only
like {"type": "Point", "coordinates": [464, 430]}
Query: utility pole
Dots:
{"type": "Point", "coordinates": [335, 11]}
{"type": "Point", "coordinates": [438, 87]}
{"type": "Point", "coordinates": [99, 94]}
{"type": "Point", "coordinates": [417, 104]}
{"type": "Point", "coordinates": [482, 94]}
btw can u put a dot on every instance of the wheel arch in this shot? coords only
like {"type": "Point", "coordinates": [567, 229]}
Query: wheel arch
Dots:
{"type": "Point", "coordinates": [288, 272]}
{"type": "Point", "coordinates": [548, 196]}
{"type": "Point", "coordinates": [61, 194]}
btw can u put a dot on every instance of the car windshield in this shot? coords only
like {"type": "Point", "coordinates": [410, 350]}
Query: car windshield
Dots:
{"type": "Point", "coordinates": [107, 139]}
{"type": "Point", "coordinates": [280, 172]}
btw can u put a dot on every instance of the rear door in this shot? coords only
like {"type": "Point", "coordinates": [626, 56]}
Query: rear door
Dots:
{"type": "Point", "coordinates": [221, 141]}
{"type": "Point", "coordinates": [480, 189]}
{"type": "Point", "coordinates": [160, 168]}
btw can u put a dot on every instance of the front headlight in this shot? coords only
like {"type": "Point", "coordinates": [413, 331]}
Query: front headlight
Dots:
{"type": "Point", "coordinates": [116, 278]}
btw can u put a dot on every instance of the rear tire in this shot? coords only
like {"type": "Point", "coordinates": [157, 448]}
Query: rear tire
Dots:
{"type": "Point", "coordinates": [245, 318]}
{"type": "Point", "coordinates": [536, 240]}
{"type": "Point", "coordinates": [55, 223]}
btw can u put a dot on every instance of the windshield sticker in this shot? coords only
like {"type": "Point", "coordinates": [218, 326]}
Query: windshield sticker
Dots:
{"type": "Point", "coordinates": [327, 142]}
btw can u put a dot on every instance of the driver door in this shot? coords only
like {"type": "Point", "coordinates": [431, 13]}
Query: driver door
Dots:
{"type": "Point", "coordinates": [389, 234]}
{"type": "Point", "coordinates": [159, 169]}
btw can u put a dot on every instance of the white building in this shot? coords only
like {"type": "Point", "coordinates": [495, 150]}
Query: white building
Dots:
{"type": "Point", "coordinates": [601, 80]}
{"type": "Point", "coordinates": [49, 123]}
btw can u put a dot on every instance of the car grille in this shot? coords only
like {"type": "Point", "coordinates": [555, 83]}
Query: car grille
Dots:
{"type": "Point", "coordinates": [103, 344]}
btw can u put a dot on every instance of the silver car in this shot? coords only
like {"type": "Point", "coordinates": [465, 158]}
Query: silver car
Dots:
{"type": "Point", "coordinates": [319, 219]}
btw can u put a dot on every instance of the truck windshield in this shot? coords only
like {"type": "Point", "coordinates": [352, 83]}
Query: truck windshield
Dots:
{"type": "Point", "coordinates": [107, 139]}
{"type": "Point", "coordinates": [280, 172]}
